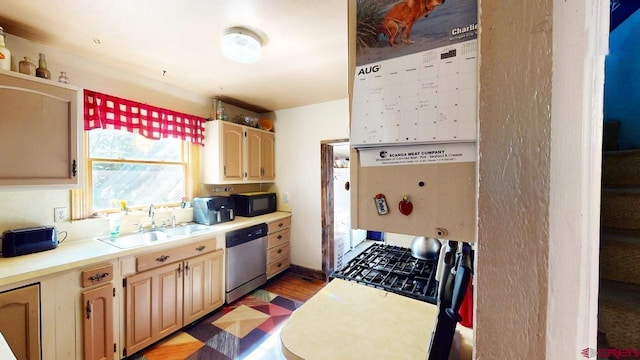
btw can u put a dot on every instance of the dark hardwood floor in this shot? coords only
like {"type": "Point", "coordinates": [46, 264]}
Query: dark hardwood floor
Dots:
{"type": "Point", "coordinates": [294, 286]}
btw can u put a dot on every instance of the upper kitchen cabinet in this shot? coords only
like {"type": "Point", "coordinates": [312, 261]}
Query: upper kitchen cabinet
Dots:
{"type": "Point", "coordinates": [39, 132]}
{"type": "Point", "coordinates": [237, 154]}
{"type": "Point", "coordinates": [260, 155]}
{"type": "Point", "coordinates": [223, 150]}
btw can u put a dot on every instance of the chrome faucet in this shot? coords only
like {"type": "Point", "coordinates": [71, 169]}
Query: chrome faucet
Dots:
{"type": "Point", "coordinates": [152, 215]}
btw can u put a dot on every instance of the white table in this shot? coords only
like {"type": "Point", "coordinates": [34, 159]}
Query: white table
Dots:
{"type": "Point", "coordinates": [5, 351]}
{"type": "Point", "coordinates": [346, 320]}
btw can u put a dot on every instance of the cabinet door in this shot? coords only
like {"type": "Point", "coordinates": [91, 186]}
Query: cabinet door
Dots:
{"type": "Point", "coordinates": [98, 323]}
{"type": "Point", "coordinates": [231, 151]}
{"type": "Point", "coordinates": [260, 155]}
{"type": "Point", "coordinates": [254, 150]}
{"type": "Point", "coordinates": [203, 287]}
{"type": "Point", "coordinates": [39, 128]}
{"type": "Point", "coordinates": [267, 156]}
{"type": "Point", "coordinates": [153, 306]}
{"type": "Point", "coordinates": [138, 311]}
{"type": "Point", "coordinates": [20, 324]}
{"type": "Point", "coordinates": [168, 294]}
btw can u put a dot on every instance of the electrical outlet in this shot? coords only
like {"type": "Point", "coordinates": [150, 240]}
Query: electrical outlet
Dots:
{"type": "Point", "coordinates": [60, 214]}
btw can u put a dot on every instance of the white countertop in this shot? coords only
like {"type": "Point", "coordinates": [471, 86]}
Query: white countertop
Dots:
{"type": "Point", "coordinates": [78, 253]}
{"type": "Point", "coordinates": [347, 320]}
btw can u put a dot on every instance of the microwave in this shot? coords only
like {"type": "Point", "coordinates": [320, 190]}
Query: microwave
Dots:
{"type": "Point", "coordinates": [254, 203]}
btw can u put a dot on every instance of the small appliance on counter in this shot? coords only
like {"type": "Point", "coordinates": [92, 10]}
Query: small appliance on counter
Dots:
{"type": "Point", "coordinates": [254, 203]}
{"type": "Point", "coordinates": [213, 210]}
{"type": "Point", "coordinates": [28, 240]}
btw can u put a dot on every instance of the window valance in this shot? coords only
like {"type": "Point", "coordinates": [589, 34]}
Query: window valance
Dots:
{"type": "Point", "coordinates": [103, 111]}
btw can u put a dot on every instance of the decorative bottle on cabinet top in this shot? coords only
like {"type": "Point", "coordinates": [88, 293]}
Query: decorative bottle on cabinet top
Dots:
{"type": "Point", "coordinates": [42, 71]}
{"type": "Point", "coordinates": [5, 54]}
{"type": "Point", "coordinates": [26, 66]}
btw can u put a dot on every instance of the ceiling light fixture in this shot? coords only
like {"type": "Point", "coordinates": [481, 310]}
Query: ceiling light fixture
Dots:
{"type": "Point", "coordinates": [241, 45]}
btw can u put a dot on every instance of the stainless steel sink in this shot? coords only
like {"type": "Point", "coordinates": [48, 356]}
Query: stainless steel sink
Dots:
{"type": "Point", "coordinates": [188, 229]}
{"type": "Point", "coordinates": [148, 237]}
{"type": "Point", "coordinates": [135, 240]}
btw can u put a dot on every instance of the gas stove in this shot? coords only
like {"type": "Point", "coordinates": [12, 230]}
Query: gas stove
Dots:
{"type": "Point", "coordinates": [394, 269]}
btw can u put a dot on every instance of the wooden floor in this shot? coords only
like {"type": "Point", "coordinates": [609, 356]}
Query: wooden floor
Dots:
{"type": "Point", "coordinates": [294, 286]}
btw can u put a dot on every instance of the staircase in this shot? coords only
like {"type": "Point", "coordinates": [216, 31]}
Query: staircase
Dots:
{"type": "Point", "coordinates": [619, 302]}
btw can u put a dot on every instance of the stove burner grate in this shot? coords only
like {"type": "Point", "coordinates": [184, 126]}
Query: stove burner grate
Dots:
{"type": "Point", "coordinates": [392, 268]}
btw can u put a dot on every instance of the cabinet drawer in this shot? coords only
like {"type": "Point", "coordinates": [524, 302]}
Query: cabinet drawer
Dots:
{"type": "Point", "coordinates": [277, 266]}
{"type": "Point", "coordinates": [279, 225]}
{"type": "Point", "coordinates": [277, 252]}
{"type": "Point", "coordinates": [97, 275]}
{"type": "Point", "coordinates": [278, 238]}
{"type": "Point", "coordinates": [168, 256]}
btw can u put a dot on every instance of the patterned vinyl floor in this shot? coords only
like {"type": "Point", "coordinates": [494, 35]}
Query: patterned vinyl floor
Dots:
{"type": "Point", "coordinates": [246, 329]}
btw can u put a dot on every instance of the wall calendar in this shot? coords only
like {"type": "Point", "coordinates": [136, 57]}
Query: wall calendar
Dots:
{"type": "Point", "coordinates": [423, 90]}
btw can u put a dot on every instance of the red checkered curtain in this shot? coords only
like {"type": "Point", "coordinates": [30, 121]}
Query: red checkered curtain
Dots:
{"type": "Point", "coordinates": [103, 111]}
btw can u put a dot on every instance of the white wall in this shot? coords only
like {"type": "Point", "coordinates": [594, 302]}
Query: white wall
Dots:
{"type": "Point", "coordinates": [299, 132]}
{"type": "Point", "coordinates": [34, 208]}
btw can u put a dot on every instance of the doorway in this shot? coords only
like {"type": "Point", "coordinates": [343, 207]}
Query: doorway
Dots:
{"type": "Point", "coordinates": [337, 236]}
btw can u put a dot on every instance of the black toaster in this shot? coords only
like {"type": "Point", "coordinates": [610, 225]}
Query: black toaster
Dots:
{"type": "Point", "coordinates": [28, 240]}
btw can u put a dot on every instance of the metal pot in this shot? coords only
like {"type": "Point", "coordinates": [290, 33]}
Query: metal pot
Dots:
{"type": "Point", "coordinates": [425, 248]}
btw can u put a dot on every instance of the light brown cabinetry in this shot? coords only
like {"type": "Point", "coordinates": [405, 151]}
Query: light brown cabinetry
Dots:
{"type": "Point", "coordinates": [39, 127]}
{"type": "Point", "coordinates": [237, 154]}
{"type": "Point", "coordinates": [223, 153]}
{"type": "Point", "coordinates": [20, 321]}
{"type": "Point", "coordinates": [278, 246]}
{"type": "Point", "coordinates": [172, 288]}
{"type": "Point", "coordinates": [98, 323]}
{"type": "Point", "coordinates": [97, 313]}
{"type": "Point", "coordinates": [203, 292]}
{"type": "Point", "coordinates": [153, 306]}
{"type": "Point", "coordinates": [260, 155]}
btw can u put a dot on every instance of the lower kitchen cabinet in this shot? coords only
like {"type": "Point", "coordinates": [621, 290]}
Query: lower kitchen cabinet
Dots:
{"type": "Point", "coordinates": [278, 251]}
{"type": "Point", "coordinates": [172, 288]}
{"type": "Point", "coordinates": [97, 312]}
{"type": "Point", "coordinates": [202, 290]}
{"type": "Point", "coordinates": [20, 324]}
{"type": "Point", "coordinates": [97, 323]}
{"type": "Point", "coordinates": [153, 306]}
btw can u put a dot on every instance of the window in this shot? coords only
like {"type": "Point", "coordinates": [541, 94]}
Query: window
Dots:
{"type": "Point", "coordinates": [127, 166]}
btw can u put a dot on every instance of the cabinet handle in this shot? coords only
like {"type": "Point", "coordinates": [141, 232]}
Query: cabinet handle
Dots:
{"type": "Point", "coordinates": [281, 225]}
{"type": "Point", "coordinates": [200, 248]}
{"type": "Point", "coordinates": [179, 270]}
{"type": "Point", "coordinates": [279, 251]}
{"type": "Point", "coordinates": [74, 168]}
{"type": "Point", "coordinates": [98, 276]}
{"type": "Point", "coordinates": [162, 258]}
{"type": "Point", "coordinates": [279, 264]}
{"type": "Point", "coordinates": [186, 269]}
{"type": "Point", "coordinates": [88, 309]}
{"type": "Point", "coordinates": [225, 170]}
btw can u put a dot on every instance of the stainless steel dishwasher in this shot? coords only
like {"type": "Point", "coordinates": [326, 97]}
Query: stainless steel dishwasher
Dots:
{"type": "Point", "coordinates": [246, 261]}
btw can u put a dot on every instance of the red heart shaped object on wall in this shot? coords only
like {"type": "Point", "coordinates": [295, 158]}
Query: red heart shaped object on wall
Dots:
{"type": "Point", "coordinates": [405, 206]}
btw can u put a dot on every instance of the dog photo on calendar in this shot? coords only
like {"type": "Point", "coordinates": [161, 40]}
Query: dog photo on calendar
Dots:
{"type": "Point", "coordinates": [392, 28]}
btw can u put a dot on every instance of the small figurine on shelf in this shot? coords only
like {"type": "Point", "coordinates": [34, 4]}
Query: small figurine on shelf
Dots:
{"type": "Point", "coordinates": [42, 71]}
{"type": "Point", "coordinates": [63, 78]}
